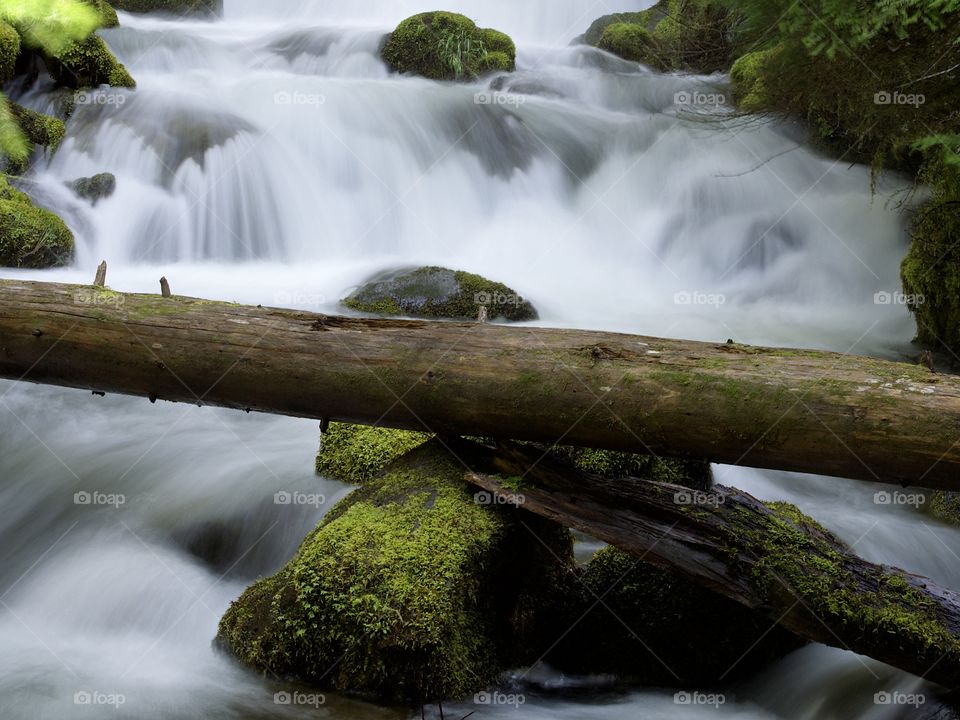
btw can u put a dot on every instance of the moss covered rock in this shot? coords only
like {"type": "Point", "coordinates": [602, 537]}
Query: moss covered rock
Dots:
{"type": "Point", "coordinates": [9, 50]}
{"type": "Point", "coordinates": [447, 46]}
{"type": "Point", "coordinates": [40, 129]}
{"type": "Point", "coordinates": [170, 7]}
{"type": "Point", "coordinates": [435, 292]}
{"type": "Point", "coordinates": [95, 188]}
{"type": "Point", "coordinates": [408, 590]}
{"type": "Point", "coordinates": [30, 237]}
{"type": "Point", "coordinates": [108, 16]}
{"type": "Point", "coordinates": [355, 454]}
{"type": "Point", "coordinates": [88, 63]}
{"type": "Point", "coordinates": [694, 35]}
{"type": "Point", "coordinates": [656, 627]}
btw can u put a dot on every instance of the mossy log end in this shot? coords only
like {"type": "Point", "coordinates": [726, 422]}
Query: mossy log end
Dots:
{"type": "Point", "coordinates": [796, 410]}
{"type": "Point", "coordinates": [769, 557]}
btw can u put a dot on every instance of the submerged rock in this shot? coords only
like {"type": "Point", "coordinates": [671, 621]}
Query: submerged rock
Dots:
{"type": "Point", "coordinates": [30, 237]}
{"type": "Point", "coordinates": [447, 46]}
{"type": "Point", "coordinates": [435, 292]}
{"type": "Point", "coordinates": [409, 589]}
{"type": "Point", "coordinates": [98, 187]}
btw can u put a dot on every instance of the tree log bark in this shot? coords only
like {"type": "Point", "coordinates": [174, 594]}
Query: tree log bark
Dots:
{"type": "Point", "coordinates": [803, 411]}
{"type": "Point", "coordinates": [767, 557]}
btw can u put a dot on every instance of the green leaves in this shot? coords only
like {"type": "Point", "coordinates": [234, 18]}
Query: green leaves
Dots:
{"type": "Point", "coordinates": [50, 24]}
{"type": "Point", "coordinates": [949, 144]}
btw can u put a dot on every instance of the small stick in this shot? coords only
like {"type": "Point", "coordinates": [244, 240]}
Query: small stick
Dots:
{"type": "Point", "coordinates": [101, 279]}
{"type": "Point", "coordinates": [164, 287]}
{"type": "Point", "coordinates": [484, 314]}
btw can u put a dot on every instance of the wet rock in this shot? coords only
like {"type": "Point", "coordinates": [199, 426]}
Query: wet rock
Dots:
{"type": "Point", "coordinates": [95, 188]}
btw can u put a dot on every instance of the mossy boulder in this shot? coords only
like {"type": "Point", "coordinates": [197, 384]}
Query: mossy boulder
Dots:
{"type": "Point", "coordinates": [747, 78]}
{"type": "Point", "coordinates": [692, 35]}
{"type": "Point", "coordinates": [9, 50]}
{"type": "Point", "coordinates": [88, 63]}
{"type": "Point", "coordinates": [409, 590]}
{"type": "Point", "coordinates": [356, 454]}
{"type": "Point", "coordinates": [631, 42]}
{"type": "Point", "coordinates": [931, 274]}
{"type": "Point", "coordinates": [435, 292]}
{"type": "Point", "coordinates": [695, 474]}
{"type": "Point", "coordinates": [40, 129]}
{"type": "Point", "coordinates": [170, 7]}
{"type": "Point", "coordinates": [447, 46]}
{"type": "Point", "coordinates": [108, 16]}
{"type": "Point", "coordinates": [30, 237]}
{"type": "Point", "coordinates": [656, 627]}
{"type": "Point", "coordinates": [95, 188]}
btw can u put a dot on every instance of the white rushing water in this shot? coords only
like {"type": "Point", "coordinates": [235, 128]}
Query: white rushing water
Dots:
{"type": "Point", "coordinates": [269, 157]}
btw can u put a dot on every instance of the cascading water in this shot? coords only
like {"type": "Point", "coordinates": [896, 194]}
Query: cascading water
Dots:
{"type": "Point", "coordinates": [269, 157]}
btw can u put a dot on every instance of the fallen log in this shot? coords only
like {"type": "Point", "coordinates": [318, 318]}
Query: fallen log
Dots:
{"type": "Point", "coordinates": [768, 557]}
{"type": "Point", "coordinates": [796, 410]}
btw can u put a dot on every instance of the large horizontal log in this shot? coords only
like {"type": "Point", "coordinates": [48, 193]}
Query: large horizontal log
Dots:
{"type": "Point", "coordinates": [794, 410]}
{"type": "Point", "coordinates": [767, 557]}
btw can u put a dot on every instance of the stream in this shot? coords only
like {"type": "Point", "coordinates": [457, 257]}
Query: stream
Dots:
{"type": "Point", "coordinates": [269, 157]}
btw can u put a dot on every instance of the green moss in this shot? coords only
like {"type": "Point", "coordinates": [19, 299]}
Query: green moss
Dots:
{"type": "Point", "coordinates": [30, 237]}
{"type": "Point", "coordinates": [108, 16]}
{"type": "Point", "coordinates": [88, 63]}
{"type": "Point", "coordinates": [796, 558]}
{"type": "Point", "coordinates": [631, 42]}
{"type": "Point", "coordinates": [9, 50]}
{"type": "Point", "coordinates": [40, 129]}
{"type": "Point", "coordinates": [170, 7]}
{"type": "Point", "coordinates": [435, 292]}
{"type": "Point", "coordinates": [945, 506]}
{"type": "Point", "coordinates": [355, 454]}
{"type": "Point", "coordinates": [749, 84]}
{"type": "Point", "coordinates": [658, 628]}
{"type": "Point", "coordinates": [408, 590]}
{"type": "Point", "coordinates": [612, 464]}
{"type": "Point", "coordinates": [447, 46]}
{"type": "Point", "coordinates": [646, 18]}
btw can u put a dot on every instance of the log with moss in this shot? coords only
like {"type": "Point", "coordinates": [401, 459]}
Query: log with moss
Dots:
{"type": "Point", "coordinates": [767, 557]}
{"type": "Point", "coordinates": [797, 410]}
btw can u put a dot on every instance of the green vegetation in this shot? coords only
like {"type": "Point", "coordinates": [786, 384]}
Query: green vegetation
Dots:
{"type": "Point", "coordinates": [30, 237]}
{"type": "Point", "coordinates": [435, 292]}
{"type": "Point", "coordinates": [355, 454]}
{"type": "Point", "coordinates": [656, 627]}
{"type": "Point", "coordinates": [694, 474]}
{"type": "Point", "coordinates": [87, 63]}
{"type": "Point", "coordinates": [448, 46]}
{"type": "Point", "coordinates": [170, 7]}
{"type": "Point", "coordinates": [409, 589]}
{"type": "Point", "coordinates": [39, 129]}
{"type": "Point", "coordinates": [9, 50]}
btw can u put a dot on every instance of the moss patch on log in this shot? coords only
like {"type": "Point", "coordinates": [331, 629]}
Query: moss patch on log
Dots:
{"type": "Point", "coordinates": [408, 590]}
{"type": "Point", "coordinates": [447, 46]}
{"type": "Point", "coordinates": [355, 454]}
